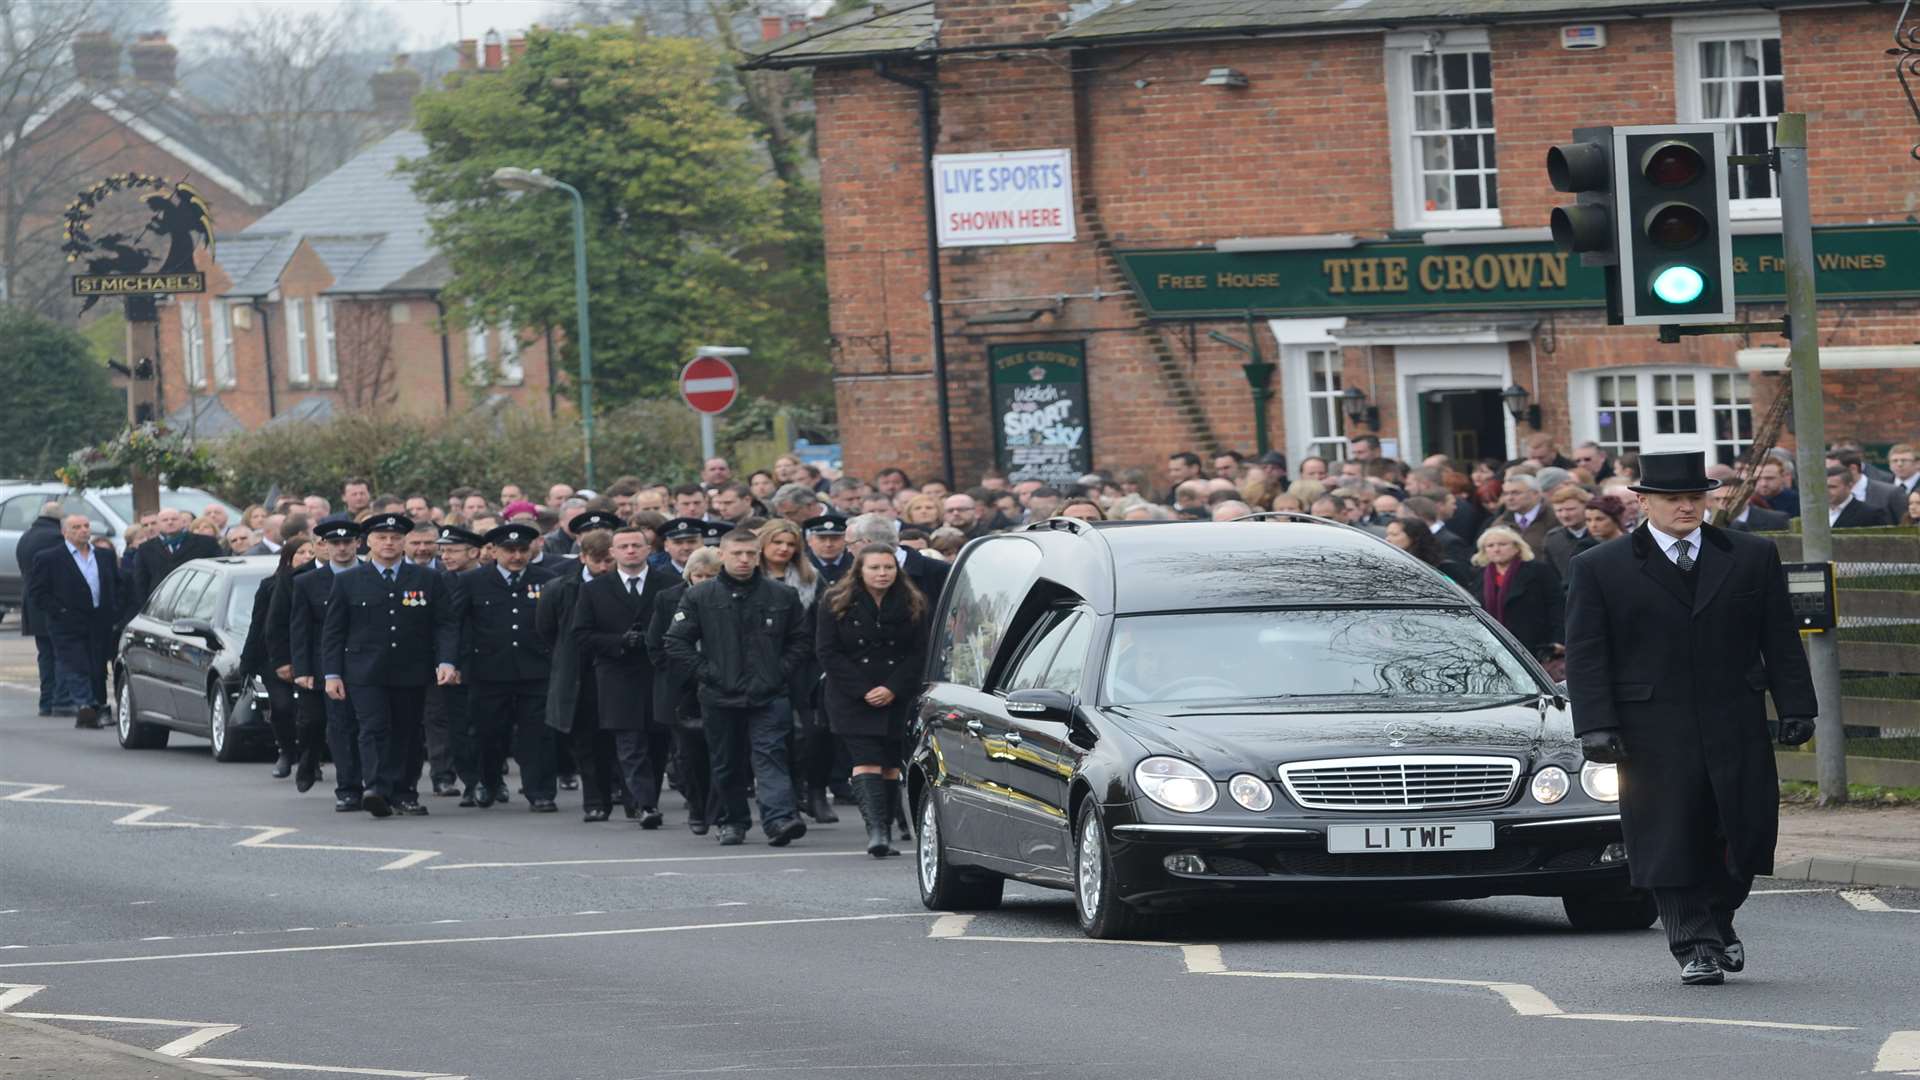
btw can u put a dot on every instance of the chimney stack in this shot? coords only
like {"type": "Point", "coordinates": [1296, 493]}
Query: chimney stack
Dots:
{"type": "Point", "coordinates": [491, 59]}
{"type": "Point", "coordinates": [469, 50]}
{"type": "Point", "coordinates": [796, 22]}
{"type": "Point", "coordinates": [154, 59]}
{"type": "Point", "coordinates": [770, 27]}
{"type": "Point", "coordinates": [516, 48]}
{"type": "Point", "coordinates": [393, 90]}
{"type": "Point", "coordinates": [96, 56]}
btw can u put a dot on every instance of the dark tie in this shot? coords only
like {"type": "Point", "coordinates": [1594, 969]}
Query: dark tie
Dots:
{"type": "Point", "coordinates": [513, 580]}
{"type": "Point", "coordinates": [633, 587]}
{"type": "Point", "coordinates": [387, 574]}
{"type": "Point", "coordinates": [1680, 557]}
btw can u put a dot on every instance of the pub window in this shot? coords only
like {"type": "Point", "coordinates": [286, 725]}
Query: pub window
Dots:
{"type": "Point", "coordinates": [1666, 409]}
{"type": "Point", "coordinates": [223, 373]}
{"type": "Point", "coordinates": [1326, 422]}
{"type": "Point", "coordinates": [193, 343]}
{"type": "Point", "coordinates": [296, 342]}
{"type": "Point", "coordinates": [1441, 91]}
{"type": "Point", "coordinates": [1730, 70]}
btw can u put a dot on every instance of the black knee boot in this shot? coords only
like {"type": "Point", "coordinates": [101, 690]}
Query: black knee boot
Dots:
{"type": "Point", "coordinates": [871, 791]}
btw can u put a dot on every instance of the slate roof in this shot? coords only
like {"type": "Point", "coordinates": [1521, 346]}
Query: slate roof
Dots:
{"type": "Point", "coordinates": [362, 219]}
{"type": "Point", "coordinates": [206, 417]}
{"type": "Point", "coordinates": [314, 409]}
{"type": "Point", "coordinates": [904, 29]}
{"type": "Point", "coordinates": [178, 121]}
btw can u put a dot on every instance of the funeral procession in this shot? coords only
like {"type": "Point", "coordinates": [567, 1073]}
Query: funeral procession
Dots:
{"type": "Point", "coordinates": [959, 539]}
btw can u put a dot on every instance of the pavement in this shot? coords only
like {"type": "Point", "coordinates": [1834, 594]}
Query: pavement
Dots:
{"type": "Point", "coordinates": [160, 911]}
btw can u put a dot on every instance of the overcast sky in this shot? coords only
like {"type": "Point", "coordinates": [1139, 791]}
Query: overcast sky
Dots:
{"type": "Point", "coordinates": [421, 23]}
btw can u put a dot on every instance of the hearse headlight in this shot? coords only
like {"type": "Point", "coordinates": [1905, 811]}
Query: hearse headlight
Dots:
{"type": "Point", "coordinates": [1550, 785]}
{"type": "Point", "coordinates": [1175, 784]}
{"type": "Point", "coordinates": [1601, 782]}
{"type": "Point", "coordinates": [1251, 792]}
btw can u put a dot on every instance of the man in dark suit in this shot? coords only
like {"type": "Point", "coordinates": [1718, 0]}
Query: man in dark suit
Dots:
{"type": "Point", "coordinates": [507, 664]}
{"type": "Point", "coordinates": [337, 547]}
{"type": "Point", "coordinates": [158, 556]}
{"type": "Point", "coordinates": [76, 600]}
{"type": "Point", "coordinates": [610, 626]}
{"type": "Point", "coordinates": [573, 705]}
{"type": "Point", "coordinates": [1844, 509]}
{"type": "Point", "coordinates": [1751, 518]}
{"type": "Point", "coordinates": [44, 533]}
{"type": "Point", "coordinates": [1869, 488]}
{"type": "Point", "coordinates": [391, 631]}
{"type": "Point", "coordinates": [1675, 633]}
{"type": "Point", "coordinates": [1525, 510]}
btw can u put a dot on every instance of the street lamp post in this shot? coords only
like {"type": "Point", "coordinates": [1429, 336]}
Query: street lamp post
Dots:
{"type": "Point", "coordinates": [512, 179]}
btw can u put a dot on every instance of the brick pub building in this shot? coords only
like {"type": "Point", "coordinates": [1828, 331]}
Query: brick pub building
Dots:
{"type": "Point", "coordinates": [1362, 186]}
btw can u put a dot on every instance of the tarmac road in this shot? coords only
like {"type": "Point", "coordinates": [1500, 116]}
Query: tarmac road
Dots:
{"type": "Point", "coordinates": [216, 914]}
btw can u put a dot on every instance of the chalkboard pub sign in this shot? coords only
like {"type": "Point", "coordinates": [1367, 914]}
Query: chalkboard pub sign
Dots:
{"type": "Point", "coordinates": [1040, 426]}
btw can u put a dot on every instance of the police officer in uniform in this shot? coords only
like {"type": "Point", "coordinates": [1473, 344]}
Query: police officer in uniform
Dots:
{"type": "Point", "coordinates": [337, 541]}
{"type": "Point", "coordinates": [508, 664]}
{"type": "Point", "coordinates": [1675, 634]}
{"type": "Point", "coordinates": [827, 547]}
{"type": "Point", "coordinates": [679, 538]}
{"type": "Point", "coordinates": [392, 630]}
{"type": "Point", "coordinates": [452, 757]}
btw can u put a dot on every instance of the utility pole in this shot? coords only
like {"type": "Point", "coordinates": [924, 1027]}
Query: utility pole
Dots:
{"type": "Point", "coordinates": [1810, 436]}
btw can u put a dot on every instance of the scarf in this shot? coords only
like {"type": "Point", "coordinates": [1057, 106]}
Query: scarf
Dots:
{"type": "Point", "coordinates": [1493, 588]}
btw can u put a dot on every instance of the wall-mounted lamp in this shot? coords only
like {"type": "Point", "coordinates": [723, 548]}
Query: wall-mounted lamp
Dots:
{"type": "Point", "coordinates": [1353, 402]}
{"type": "Point", "coordinates": [1517, 400]}
{"type": "Point", "coordinates": [1224, 76]}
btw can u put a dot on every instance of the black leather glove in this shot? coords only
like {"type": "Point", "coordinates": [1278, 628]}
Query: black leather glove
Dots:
{"type": "Point", "coordinates": [1603, 747]}
{"type": "Point", "coordinates": [1795, 730]}
{"type": "Point", "coordinates": [633, 639]}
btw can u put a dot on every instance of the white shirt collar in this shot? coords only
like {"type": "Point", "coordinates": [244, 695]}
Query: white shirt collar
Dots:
{"type": "Point", "coordinates": [625, 577]}
{"type": "Point", "coordinates": [1436, 526]}
{"type": "Point", "coordinates": [1666, 542]}
{"type": "Point", "coordinates": [79, 551]}
{"type": "Point", "coordinates": [1860, 488]}
{"type": "Point", "coordinates": [1525, 519]}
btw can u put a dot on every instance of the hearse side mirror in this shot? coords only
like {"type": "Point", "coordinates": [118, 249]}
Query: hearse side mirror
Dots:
{"type": "Point", "coordinates": [1041, 705]}
{"type": "Point", "coordinates": [199, 628]}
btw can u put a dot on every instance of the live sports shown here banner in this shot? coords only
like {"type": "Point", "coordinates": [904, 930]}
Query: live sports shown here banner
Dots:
{"type": "Point", "coordinates": [1016, 197]}
{"type": "Point", "coordinates": [1040, 426]}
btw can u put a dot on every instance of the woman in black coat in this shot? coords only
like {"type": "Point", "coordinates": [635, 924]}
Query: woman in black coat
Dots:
{"type": "Point", "coordinates": [871, 638]}
{"type": "Point", "coordinates": [265, 653]}
{"type": "Point", "coordinates": [1522, 594]}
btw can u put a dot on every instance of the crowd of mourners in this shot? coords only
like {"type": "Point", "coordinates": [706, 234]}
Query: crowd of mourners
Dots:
{"type": "Point", "coordinates": [753, 643]}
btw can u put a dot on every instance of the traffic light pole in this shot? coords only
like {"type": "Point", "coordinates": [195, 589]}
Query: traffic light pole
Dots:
{"type": "Point", "coordinates": [1810, 436]}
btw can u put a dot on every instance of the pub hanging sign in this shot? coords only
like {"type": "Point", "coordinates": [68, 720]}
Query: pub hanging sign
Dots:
{"type": "Point", "coordinates": [1040, 426]}
{"type": "Point", "coordinates": [124, 264]}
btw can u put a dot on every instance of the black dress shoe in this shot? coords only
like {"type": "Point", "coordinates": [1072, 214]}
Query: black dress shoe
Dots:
{"type": "Point", "coordinates": [376, 804]}
{"type": "Point", "coordinates": [698, 828]}
{"type": "Point", "coordinates": [650, 818]}
{"type": "Point", "coordinates": [467, 799]}
{"type": "Point", "coordinates": [483, 796]}
{"type": "Point", "coordinates": [782, 835]}
{"type": "Point", "coordinates": [598, 813]}
{"type": "Point", "coordinates": [1704, 971]}
{"type": "Point", "coordinates": [1733, 957]}
{"type": "Point", "coordinates": [569, 782]}
{"type": "Point", "coordinates": [411, 809]}
{"type": "Point", "coordinates": [346, 804]}
{"type": "Point", "coordinates": [306, 772]}
{"type": "Point", "coordinates": [543, 806]}
{"type": "Point", "coordinates": [283, 766]}
{"type": "Point", "coordinates": [633, 812]}
{"type": "Point", "coordinates": [444, 789]}
{"type": "Point", "coordinates": [732, 835]}
{"type": "Point", "coordinates": [86, 716]}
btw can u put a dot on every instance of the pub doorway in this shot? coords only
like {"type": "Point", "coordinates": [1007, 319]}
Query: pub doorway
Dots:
{"type": "Point", "coordinates": [1464, 424]}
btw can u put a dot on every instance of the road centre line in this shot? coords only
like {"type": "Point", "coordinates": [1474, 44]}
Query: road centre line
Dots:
{"type": "Point", "coordinates": [478, 940]}
{"type": "Point", "coordinates": [288, 1066]}
{"type": "Point", "coordinates": [650, 859]}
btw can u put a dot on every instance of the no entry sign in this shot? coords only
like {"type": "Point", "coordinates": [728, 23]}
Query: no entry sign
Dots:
{"type": "Point", "coordinates": [709, 384]}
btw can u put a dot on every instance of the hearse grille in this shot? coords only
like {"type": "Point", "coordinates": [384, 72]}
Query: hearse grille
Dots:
{"type": "Point", "coordinates": [1407, 782]}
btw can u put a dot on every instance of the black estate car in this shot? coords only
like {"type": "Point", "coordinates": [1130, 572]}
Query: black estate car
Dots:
{"type": "Point", "coordinates": [177, 667]}
{"type": "Point", "coordinates": [1158, 715]}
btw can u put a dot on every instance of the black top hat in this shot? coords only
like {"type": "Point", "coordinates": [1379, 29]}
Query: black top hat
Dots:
{"type": "Point", "coordinates": [337, 528]}
{"type": "Point", "coordinates": [454, 534]}
{"type": "Point", "coordinates": [391, 521]}
{"type": "Point", "coordinates": [1674, 474]}
{"type": "Point", "coordinates": [582, 524]}
{"type": "Point", "coordinates": [517, 534]}
{"type": "Point", "coordinates": [683, 528]}
{"type": "Point", "coordinates": [712, 531]}
{"type": "Point", "coordinates": [826, 525]}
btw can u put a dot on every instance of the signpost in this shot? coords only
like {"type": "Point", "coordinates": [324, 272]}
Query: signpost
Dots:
{"type": "Point", "coordinates": [709, 384]}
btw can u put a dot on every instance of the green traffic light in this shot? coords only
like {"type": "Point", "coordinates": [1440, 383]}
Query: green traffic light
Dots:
{"type": "Point", "coordinates": [1679, 284]}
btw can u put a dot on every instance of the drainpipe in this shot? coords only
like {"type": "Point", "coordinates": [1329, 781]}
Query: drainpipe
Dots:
{"type": "Point", "coordinates": [925, 89]}
{"type": "Point", "coordinates": [446, 359]}
{"type": "Point", "coordinates": [266, 346]}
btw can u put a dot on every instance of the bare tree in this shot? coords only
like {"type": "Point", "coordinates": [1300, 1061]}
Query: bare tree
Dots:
{"type": "Point", "coordinates": [297, 84]}
{"type": "Point", "coordinates": [364, 343]}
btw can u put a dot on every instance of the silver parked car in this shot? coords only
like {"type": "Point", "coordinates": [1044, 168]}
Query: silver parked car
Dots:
{"type": "Point", "coordinates": [110, 510]}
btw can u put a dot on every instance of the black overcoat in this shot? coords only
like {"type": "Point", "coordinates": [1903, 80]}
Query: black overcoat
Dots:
{"type": "Point", "coordinates": [1684, 684]}
{"type": "Point", "coordinates": [623, 677]}
{"type": "Point", "coordinates": [571, 685]}
{"type": "Point", "coordinates": [1535, 608]}
{"type": "Point", "coordinates": [675, 698]}
{"type": "Point", "coordinates": [870, 646]}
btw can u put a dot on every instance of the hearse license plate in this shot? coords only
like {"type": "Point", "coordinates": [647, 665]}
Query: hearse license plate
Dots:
{"type": "Point", "coordinates": [1401, 836]}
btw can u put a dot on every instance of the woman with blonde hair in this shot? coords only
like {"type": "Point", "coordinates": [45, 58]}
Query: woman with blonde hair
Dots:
{"type": "Point", "coordinates": [922, 511]}
{"type": "Point", "coordinates": [782, 558]}
{"type": "Point", "coordinates": [1307, 491]}
{"type": "Point", "coordinates": [1522, 594]}
{"type": "Point", "coordinates": [781, 545]}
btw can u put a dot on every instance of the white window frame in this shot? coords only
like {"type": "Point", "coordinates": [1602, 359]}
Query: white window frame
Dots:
{"type": "Point", "coordinates": [1583, 396]}
{"type": "Point", "coordinates": [296, 315]}
{"type": "Point", "coordinates": [477, 352]}
{"type": "Point", "coordinates": [1298, 339]}
{"type": "Point", "coordinates": [193, 344]}
{"type": "Point", "coordinates": [326, 358]}
{"type": "Point", "coordinates": [224, 375]}
{"type": "Point", "coordinates": [512, 371]}
{"type": "Point", "coordinates": [1688, 35]}
{"type": "Point", "coordinates": [1409, 196]}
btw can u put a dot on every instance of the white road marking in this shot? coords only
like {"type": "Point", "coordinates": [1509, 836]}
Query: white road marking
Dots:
{"type": "Point", "coordinates": [288, 1066]}
{"type": "Point", "coordinates": [187, 1044]}
{"type": "Point", "coordinates": [158, 937]}
{"type": "Point", "coordinates": [589, 913]}
{"type": "Point", "coordinates": [1634, 1018]}
{"type": "Point", "coordinates": [1203, 959]}
{"type": "Point", "coordinates": [650, 859]}
{"type": "Point", "coordinates": [1864, 901]}
{"type": "Point", "coordinates": [264, 836]}
{"type": "Point", "coordinates": [140, 903]}
{"type": "Point", "coordinates": [12, 994]}
{"type": "Point", "coordinates": [11, 911]}
{"type": "Point", "coordinates": [487, 939]}
{"type": "Point", "coordinates": [1785, 892]}
{"type": "Point", "coordinates": [950, 926]}
{"type": "Point", "coordinates": [1899, 1054]}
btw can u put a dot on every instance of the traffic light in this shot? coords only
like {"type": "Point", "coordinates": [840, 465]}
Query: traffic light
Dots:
{"type": "Point", "coordinates": [1675, 244]}
{"type": "Point", "coordinates": [1584, 168]}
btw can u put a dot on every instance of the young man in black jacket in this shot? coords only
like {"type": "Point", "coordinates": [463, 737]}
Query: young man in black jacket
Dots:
{"type": "Point", "coordinates": [741, 635]}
